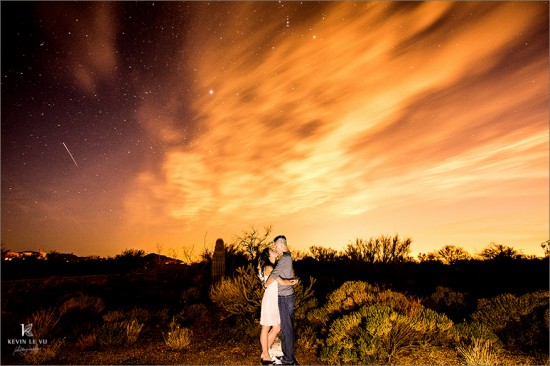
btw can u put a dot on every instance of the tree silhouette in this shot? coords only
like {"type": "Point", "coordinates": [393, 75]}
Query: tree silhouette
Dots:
{"type": "Point", "coordinates": [450, 254]}
{"type": "Point", "coordinates": [384, 249]}
{"type": "Point", "coordinates": [251, 241]}
{"type": "Point", "coordinates": [498, 251]}
{"type": "Point", "coordinates": [323, 254]}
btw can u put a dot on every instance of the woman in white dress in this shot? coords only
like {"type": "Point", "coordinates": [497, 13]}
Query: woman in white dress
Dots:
{"type": "Point", "coordinates": [269, 318]}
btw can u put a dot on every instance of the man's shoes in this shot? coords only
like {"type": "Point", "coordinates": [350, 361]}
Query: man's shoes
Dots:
{"type": "Point", "coordinates": [295, 362]}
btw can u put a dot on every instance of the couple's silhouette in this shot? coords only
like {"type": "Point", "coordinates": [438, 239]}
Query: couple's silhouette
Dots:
{"type": "Point", "coordinates": [277, 313]}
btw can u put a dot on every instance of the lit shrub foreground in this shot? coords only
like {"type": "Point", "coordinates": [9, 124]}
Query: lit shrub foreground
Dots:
{"type": "Point", "coordinates": [361, 324]}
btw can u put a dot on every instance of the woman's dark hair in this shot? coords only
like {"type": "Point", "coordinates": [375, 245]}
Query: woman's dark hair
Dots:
{"type": "Point", "coordinates": [263, 261]}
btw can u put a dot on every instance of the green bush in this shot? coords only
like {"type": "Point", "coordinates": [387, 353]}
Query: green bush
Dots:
{"type": "Point", "coordinates": [519, 322]}
{"type": "Point", "coordinates": [501, 309]}
{"type": "Point", "coordinates": [363, 324]}
{"type": "Point", "coordinates": [466, 333]}
{"type": "Point", "coordinates": [351, 295]}
{"type": "Point", "coordinates": [377, 333]}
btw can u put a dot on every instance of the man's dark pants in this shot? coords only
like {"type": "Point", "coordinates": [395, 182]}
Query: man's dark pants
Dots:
{"type": "Point", "coordinates": [286, 310]}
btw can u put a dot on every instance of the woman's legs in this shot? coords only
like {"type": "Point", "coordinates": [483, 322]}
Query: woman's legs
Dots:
{"type": "Point", "coordinates": [264, 341]}
{"type": "Point", "coordinates": [267, 337]}
{"type": "Point", "coordinates": [273, 334]}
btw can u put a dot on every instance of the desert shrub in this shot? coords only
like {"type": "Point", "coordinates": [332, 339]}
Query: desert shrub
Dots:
{"type": "Point", "coordinates": [352, 295]}
{"type": "Point", "coordinates": [444, 297]}
{"type": "Point", "coordinates": [118, 329]}
{"type": "Point", "coordinates": [518, 321]}
{"type": "Point", "coordinates": [178, 338]}
{"type": "Point", "coordinates": [44, 321]}
{"type": "Point", "coordinates": [133, 328]}
{"type": "Point", "coordinates": [478, 352]}
{"type": "Point", "coordinates": [91, 304]}
{"type": "Point", "coordinates": [43, 354]}
{"type": "Point", "coordinates": [79, 315]}
{"type": "Point", "coordinates": [139, 314]}
{"type": "Point", "coordinates": [307, 338]}
{"type": "Point", "coordinates": [86, 342]}
{"type": "Point", "coordinates": [377, 333]}
{"type": "Point", "coordinates": [349, 296]}
{"type": "Point", "coordinates": [305, 300]}
{"type": "Point", "coordinates": [445, 300]}
{"type": "Point", "coordinates": [239, 295]}
{"type": "Point", "coordinates": [112, 334]}
{"type": "Point", "coordinates": [465, 333]}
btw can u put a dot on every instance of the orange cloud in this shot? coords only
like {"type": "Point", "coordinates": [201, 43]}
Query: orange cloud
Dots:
{"type": "Point", "coordinates": [342, 114]}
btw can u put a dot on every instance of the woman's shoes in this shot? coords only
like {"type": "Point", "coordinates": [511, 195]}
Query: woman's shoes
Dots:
{"type": "Point", "coordinates": [266, 362]}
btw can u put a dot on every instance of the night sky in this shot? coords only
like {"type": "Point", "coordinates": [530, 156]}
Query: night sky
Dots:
{"type": "Point", "coordinates": [147, 125]}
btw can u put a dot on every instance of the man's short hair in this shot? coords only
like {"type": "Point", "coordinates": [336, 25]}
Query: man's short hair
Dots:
{"type": "Point", "coordinates": [279, 237]}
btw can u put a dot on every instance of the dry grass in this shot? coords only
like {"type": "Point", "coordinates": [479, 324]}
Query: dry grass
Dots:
{"type": "Point", "coordinates": [41, 355]}
{"type": "Point", "coordinates": [479, 352]}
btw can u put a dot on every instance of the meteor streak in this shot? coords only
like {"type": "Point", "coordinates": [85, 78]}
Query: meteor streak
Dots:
{"type": "Point", "coordinates": [70, 154]}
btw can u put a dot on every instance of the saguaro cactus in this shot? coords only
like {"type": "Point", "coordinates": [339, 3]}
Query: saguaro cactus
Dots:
{"type": "Point", "coordinates": [218, 261]}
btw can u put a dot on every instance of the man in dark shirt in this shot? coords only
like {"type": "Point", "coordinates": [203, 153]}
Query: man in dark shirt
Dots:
{"type": "Point", "coordinates": [285, 270]}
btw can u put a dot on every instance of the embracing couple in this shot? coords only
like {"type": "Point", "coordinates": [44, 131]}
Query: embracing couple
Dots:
{"type": "Point", "coordinates": [277, 312]}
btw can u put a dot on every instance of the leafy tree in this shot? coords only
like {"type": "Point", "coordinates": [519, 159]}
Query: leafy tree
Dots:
{"type": "Point", "coordinates": [498, 252]}
{"type": "Point", "coordinates": [450, 254]}
{"type": "Point", "coordinates": [384, 249]}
